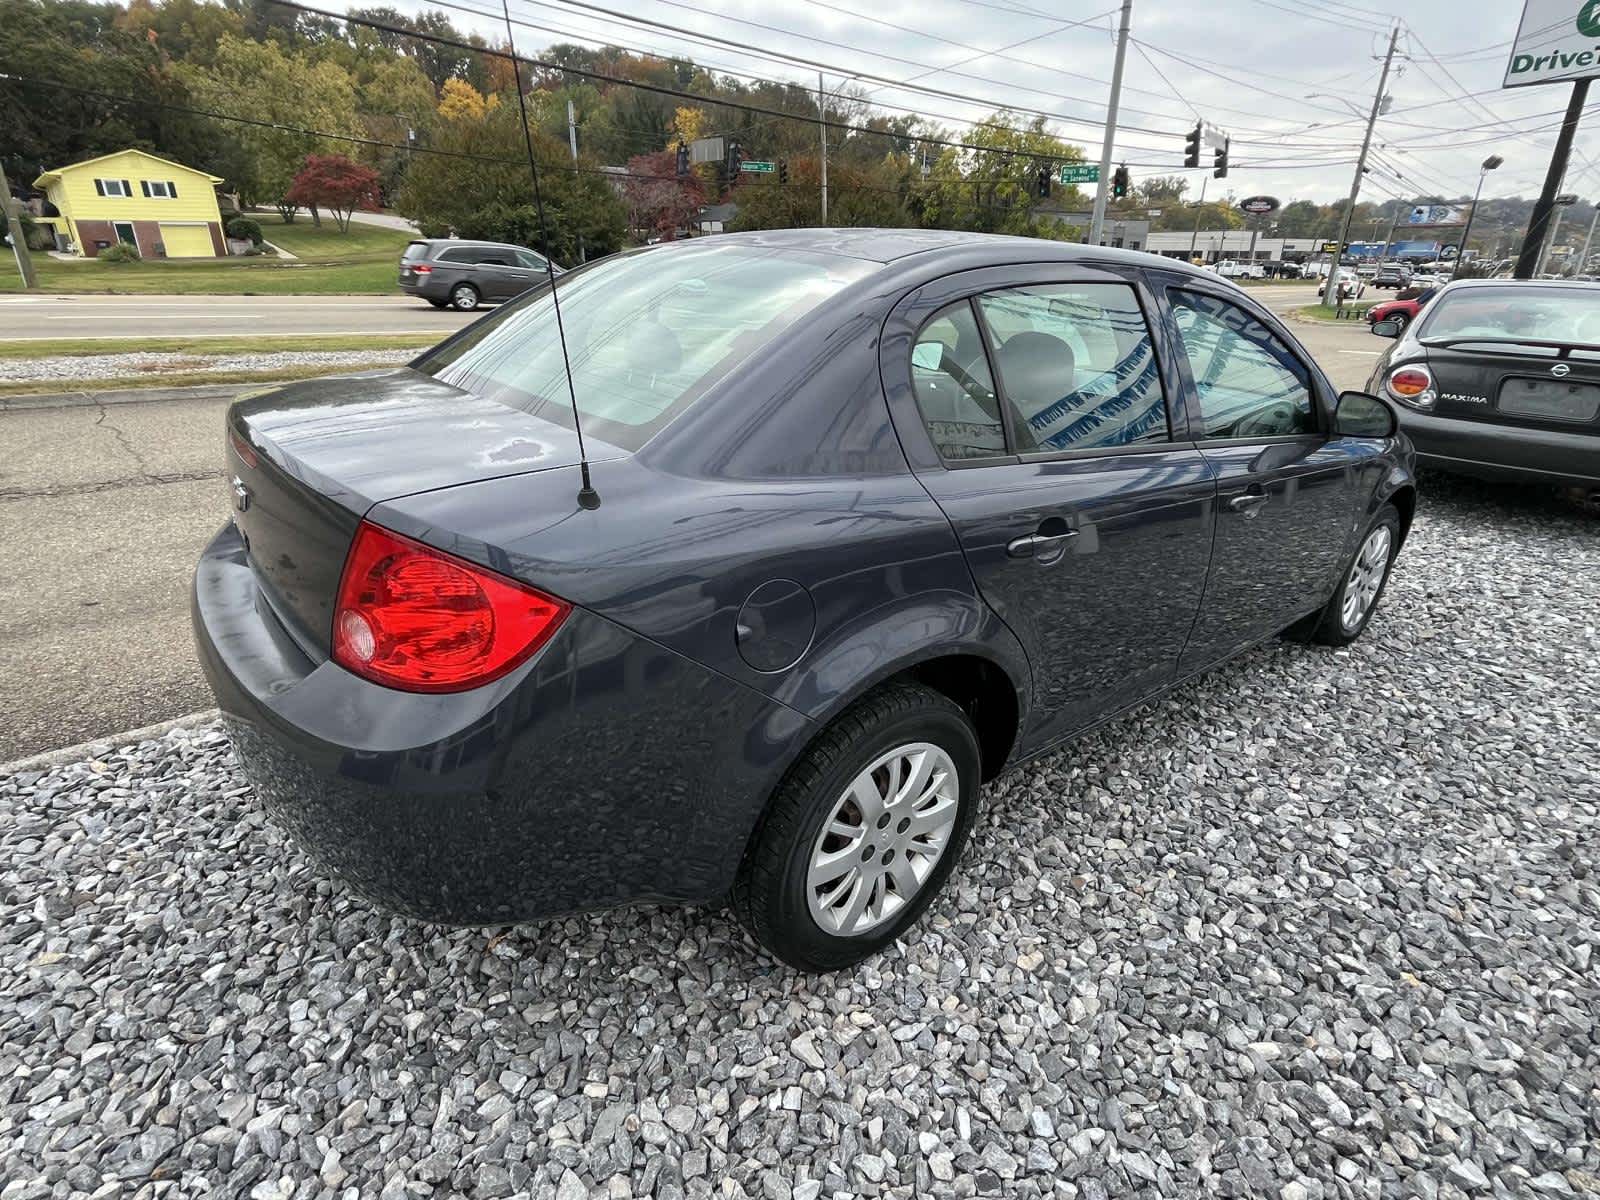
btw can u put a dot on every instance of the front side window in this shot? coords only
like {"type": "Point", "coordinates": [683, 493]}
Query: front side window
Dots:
{"type": "Point", "coordinates": [1076, 366]}
{"type": "Point", "coordinates": [647, 333]}
{"type": "Point", "coordinates": [954, 389]}
{"type": "Point", "coordinates": [1249, 383]}
{"type": "Point", "coordinates": [527, 258]}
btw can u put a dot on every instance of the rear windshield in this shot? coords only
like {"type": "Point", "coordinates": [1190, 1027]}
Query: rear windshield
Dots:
{"type": "Point", "coordinates": [647, 333]}
{"type": "Point", "coordinates": [1535, 314]}
{"type": "Point", "coordinates": [415, 250]}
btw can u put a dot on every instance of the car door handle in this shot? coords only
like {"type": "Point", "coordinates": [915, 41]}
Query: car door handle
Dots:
{"type": "Point", "coordinates": [1248, 503]}
{"type": "Point", "coordinates": [1038, 545]}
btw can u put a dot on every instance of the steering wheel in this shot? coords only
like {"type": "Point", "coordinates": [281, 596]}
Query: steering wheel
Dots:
{"type": "Point", "coordinates": [1272, 421]}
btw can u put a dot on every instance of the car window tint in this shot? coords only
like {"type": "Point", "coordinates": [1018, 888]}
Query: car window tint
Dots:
{"type": "Point", "coordinates": [1076, 365]}
{"type": "Point", "coordinates": [528, 259]}
{"type": "Point", "coordinates": [647, 333]}
{"type": "Point", "coordinates": [460, 255]}
{"type": "Point", "coordinates": [1250, 384]}
{"type": "Point", "coordinates": [954, 388]}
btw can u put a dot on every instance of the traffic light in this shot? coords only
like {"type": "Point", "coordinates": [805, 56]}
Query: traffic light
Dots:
{"type": "Point", "coordinates": [683, 160]}
{"type": "Point", "coordinates": [1191, 148]}
{"type": "Point", "coordinates": [1044, 183]}
{"type": "Point", "coordinates": [735, 157]}
{"type": "Point", "coordinates": [1120, 181]}
{"type": "Point", "coordinates": [1221, 171]}
{"type": "Point", "coordinates": [783, 170]}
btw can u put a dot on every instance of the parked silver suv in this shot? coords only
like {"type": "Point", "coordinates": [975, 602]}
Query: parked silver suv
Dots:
{"type": "Point", "coordinates": [465, 274]}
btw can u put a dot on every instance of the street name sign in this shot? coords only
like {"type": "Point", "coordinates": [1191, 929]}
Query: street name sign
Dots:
{"type": "Point", "coordinates": [758, 166]}
{"type": "Point", "coordinates": [1080, 173]}
{"type": "Point", "coordinates": [1558, 40]}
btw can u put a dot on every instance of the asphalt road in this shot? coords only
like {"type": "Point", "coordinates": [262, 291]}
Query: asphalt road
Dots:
{"type": "Point", "coordinates": [103, 511]}
{"type": "Point", "coordinates": [191, 316]}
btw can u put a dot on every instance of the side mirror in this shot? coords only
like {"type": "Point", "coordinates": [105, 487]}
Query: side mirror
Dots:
{"type": "Point", "coordinates": [1386, 328]}
{"type": "Point", "coordinates": [1359, 415]}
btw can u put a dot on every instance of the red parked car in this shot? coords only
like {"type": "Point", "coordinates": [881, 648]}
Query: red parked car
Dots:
{"type": "Point", "coordinates": [1402, 308]}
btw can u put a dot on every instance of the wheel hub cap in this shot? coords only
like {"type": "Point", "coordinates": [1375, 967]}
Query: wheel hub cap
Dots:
{"type": "Point", "coordinates": [882, 839]}
{"type": "Point", "coordinates": [1366, 576]}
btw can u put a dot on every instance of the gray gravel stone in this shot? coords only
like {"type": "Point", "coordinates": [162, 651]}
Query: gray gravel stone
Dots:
{"type": "Point", "coordinates": [1319, 925]}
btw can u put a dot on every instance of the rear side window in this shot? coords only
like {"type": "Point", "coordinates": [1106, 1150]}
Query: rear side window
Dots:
{"type": "Point", "coordinates": [955, 391]}
{"type": "Point", "coordinates": [1250, 383]}
{"type": "Point", "coordinates": [1076, 366]}
{"type": "Point", "coordinates": [463, 254]}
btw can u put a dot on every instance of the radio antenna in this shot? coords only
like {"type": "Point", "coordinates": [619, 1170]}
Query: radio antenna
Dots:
{"type": "Point", "coordinates": [587, 496]}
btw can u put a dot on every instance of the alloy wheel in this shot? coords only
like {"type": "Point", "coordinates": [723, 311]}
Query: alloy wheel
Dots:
{"type": "Point", "coordinates": [883, 839]}
{"type": "Point", "coordinates": [465, 297]}
{"type": "Point", "coordinates": [1366, 576]}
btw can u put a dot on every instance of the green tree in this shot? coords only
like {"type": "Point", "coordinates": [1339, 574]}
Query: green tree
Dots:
{"type": "Point", "coordinates": [857, 196]}
{"type": "Point", "coordinates": [992, 189]}
{"type": "Point", "coordinates": [474, 176]}
{"type": "Point", "coordinates": [260, 81]}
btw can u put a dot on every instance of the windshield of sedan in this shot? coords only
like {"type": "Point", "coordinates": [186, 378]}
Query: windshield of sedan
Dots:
{"type": "Point", "coordinates": [647, 333]}
{"type": "Point", "coordinates": [1534, 314]}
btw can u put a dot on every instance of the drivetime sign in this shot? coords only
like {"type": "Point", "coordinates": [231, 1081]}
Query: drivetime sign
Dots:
{"type": "Point", "coordinates": [1557, 40]}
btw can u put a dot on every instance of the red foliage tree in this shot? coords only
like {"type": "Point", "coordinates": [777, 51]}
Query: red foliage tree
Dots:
{"type": "Point", "coordinates": [658, 201]}
{"type": "Point", "coordinates": [333, 182]}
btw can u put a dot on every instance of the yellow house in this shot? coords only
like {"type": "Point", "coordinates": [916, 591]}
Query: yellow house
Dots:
{"type": "Point", "coordinates": [164, 208]}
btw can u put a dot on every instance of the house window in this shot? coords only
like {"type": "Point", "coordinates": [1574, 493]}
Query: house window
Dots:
{"type": "Point", "coordinates": [112, 187]}
{"type": "Point", "coordinates": [161, 189]}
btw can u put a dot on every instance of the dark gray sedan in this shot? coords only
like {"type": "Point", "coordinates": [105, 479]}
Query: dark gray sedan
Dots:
{"type": "Point", "coordinates": [876, 515]}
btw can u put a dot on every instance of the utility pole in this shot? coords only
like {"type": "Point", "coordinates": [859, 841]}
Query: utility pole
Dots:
{"type": "Point", "coordinates": [1583, 263]}
{"type": "Point", "coordinates": [1098, 220]}
{"type": "Point", "coordinates": [1550, 242]}
{"type": "Point", "coordinates": [1393, 225]}
{"type": "Point", "coordinates": [1332, 290]}
{"type": "Point", "coordinates": [822, 124]}
{"type": "Point", "coordinates": [1199, 211]}
{"type": "Point", "coordinates": [572, 141]}
{"type": "Point", "coordinates": [19, 243]}
{"type": "Point", "coordinates": [1528, 259]}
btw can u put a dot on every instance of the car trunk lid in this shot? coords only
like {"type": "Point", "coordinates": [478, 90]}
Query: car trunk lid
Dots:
{"type": "Point", "coordinates": [1545, 385]}
{"type": "Point", "coordinates": [306, 460]}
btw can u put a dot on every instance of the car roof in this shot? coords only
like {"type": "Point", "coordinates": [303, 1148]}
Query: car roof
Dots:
{"type": "Point", "coordinates": [888, 246]}
{"type": "Point", "coordinates": [1461, 285]}
{"type": "Point", "coordinates": [454, 243]}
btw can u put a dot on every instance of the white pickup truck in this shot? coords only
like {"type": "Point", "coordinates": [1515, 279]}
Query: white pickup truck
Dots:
{"type": "Point", "coordinates": [1232, 268]}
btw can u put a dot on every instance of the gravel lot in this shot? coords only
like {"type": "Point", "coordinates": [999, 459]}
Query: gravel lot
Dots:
{"type": "Point", "coordinates": [116, 366]}
{"type": "Point", "coordinates": [1321, 924]}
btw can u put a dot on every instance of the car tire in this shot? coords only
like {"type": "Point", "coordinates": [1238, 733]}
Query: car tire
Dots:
{"type": "Point", "coordinates": [438, 303]}
{"type": "Point", "coordinates": [1360, 590]}
{"type": "Point", "coordinates": [464, 297]}
{"type": "Point", "coordinates": [821, 884]}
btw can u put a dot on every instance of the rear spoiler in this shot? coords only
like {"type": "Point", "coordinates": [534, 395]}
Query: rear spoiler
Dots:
{"type": "Point", "coordinates": [1564, 348]}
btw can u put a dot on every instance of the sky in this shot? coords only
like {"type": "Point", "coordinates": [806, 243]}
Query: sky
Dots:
{"type": "Point", "coordinates": [1289, 81]}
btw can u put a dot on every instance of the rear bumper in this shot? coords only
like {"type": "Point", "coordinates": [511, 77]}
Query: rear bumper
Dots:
{"type": "Point", "coordinates": [426, 287]}
{"type": "Point", "coordinates": [606, 770]}
{"type": "Point", "coordinates": [1503, 453]}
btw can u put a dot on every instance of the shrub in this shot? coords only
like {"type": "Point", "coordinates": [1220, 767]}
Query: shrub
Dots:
{"type": "Point", "coordinates": [119, 253]}
{"type": "Point", "coordinates": [243, 227]}
{"type": "Point", "coordinates": [433, 229]}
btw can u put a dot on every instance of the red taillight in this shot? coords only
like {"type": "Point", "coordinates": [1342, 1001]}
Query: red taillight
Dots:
{"type": "Point", "coordinates": [414, 618]}
{"type": "Point", "coordinates": [242, 448]}
{"type": "Point", "coordinates": [422, 269]}
{"type": "Point", "coordinates": [1412, 386]}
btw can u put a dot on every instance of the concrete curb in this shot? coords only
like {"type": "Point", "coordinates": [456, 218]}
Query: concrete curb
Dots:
{"type": "Point", "coordinates": [203, 391]}
{"type": "Point", "coordinates": [100, 747]}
